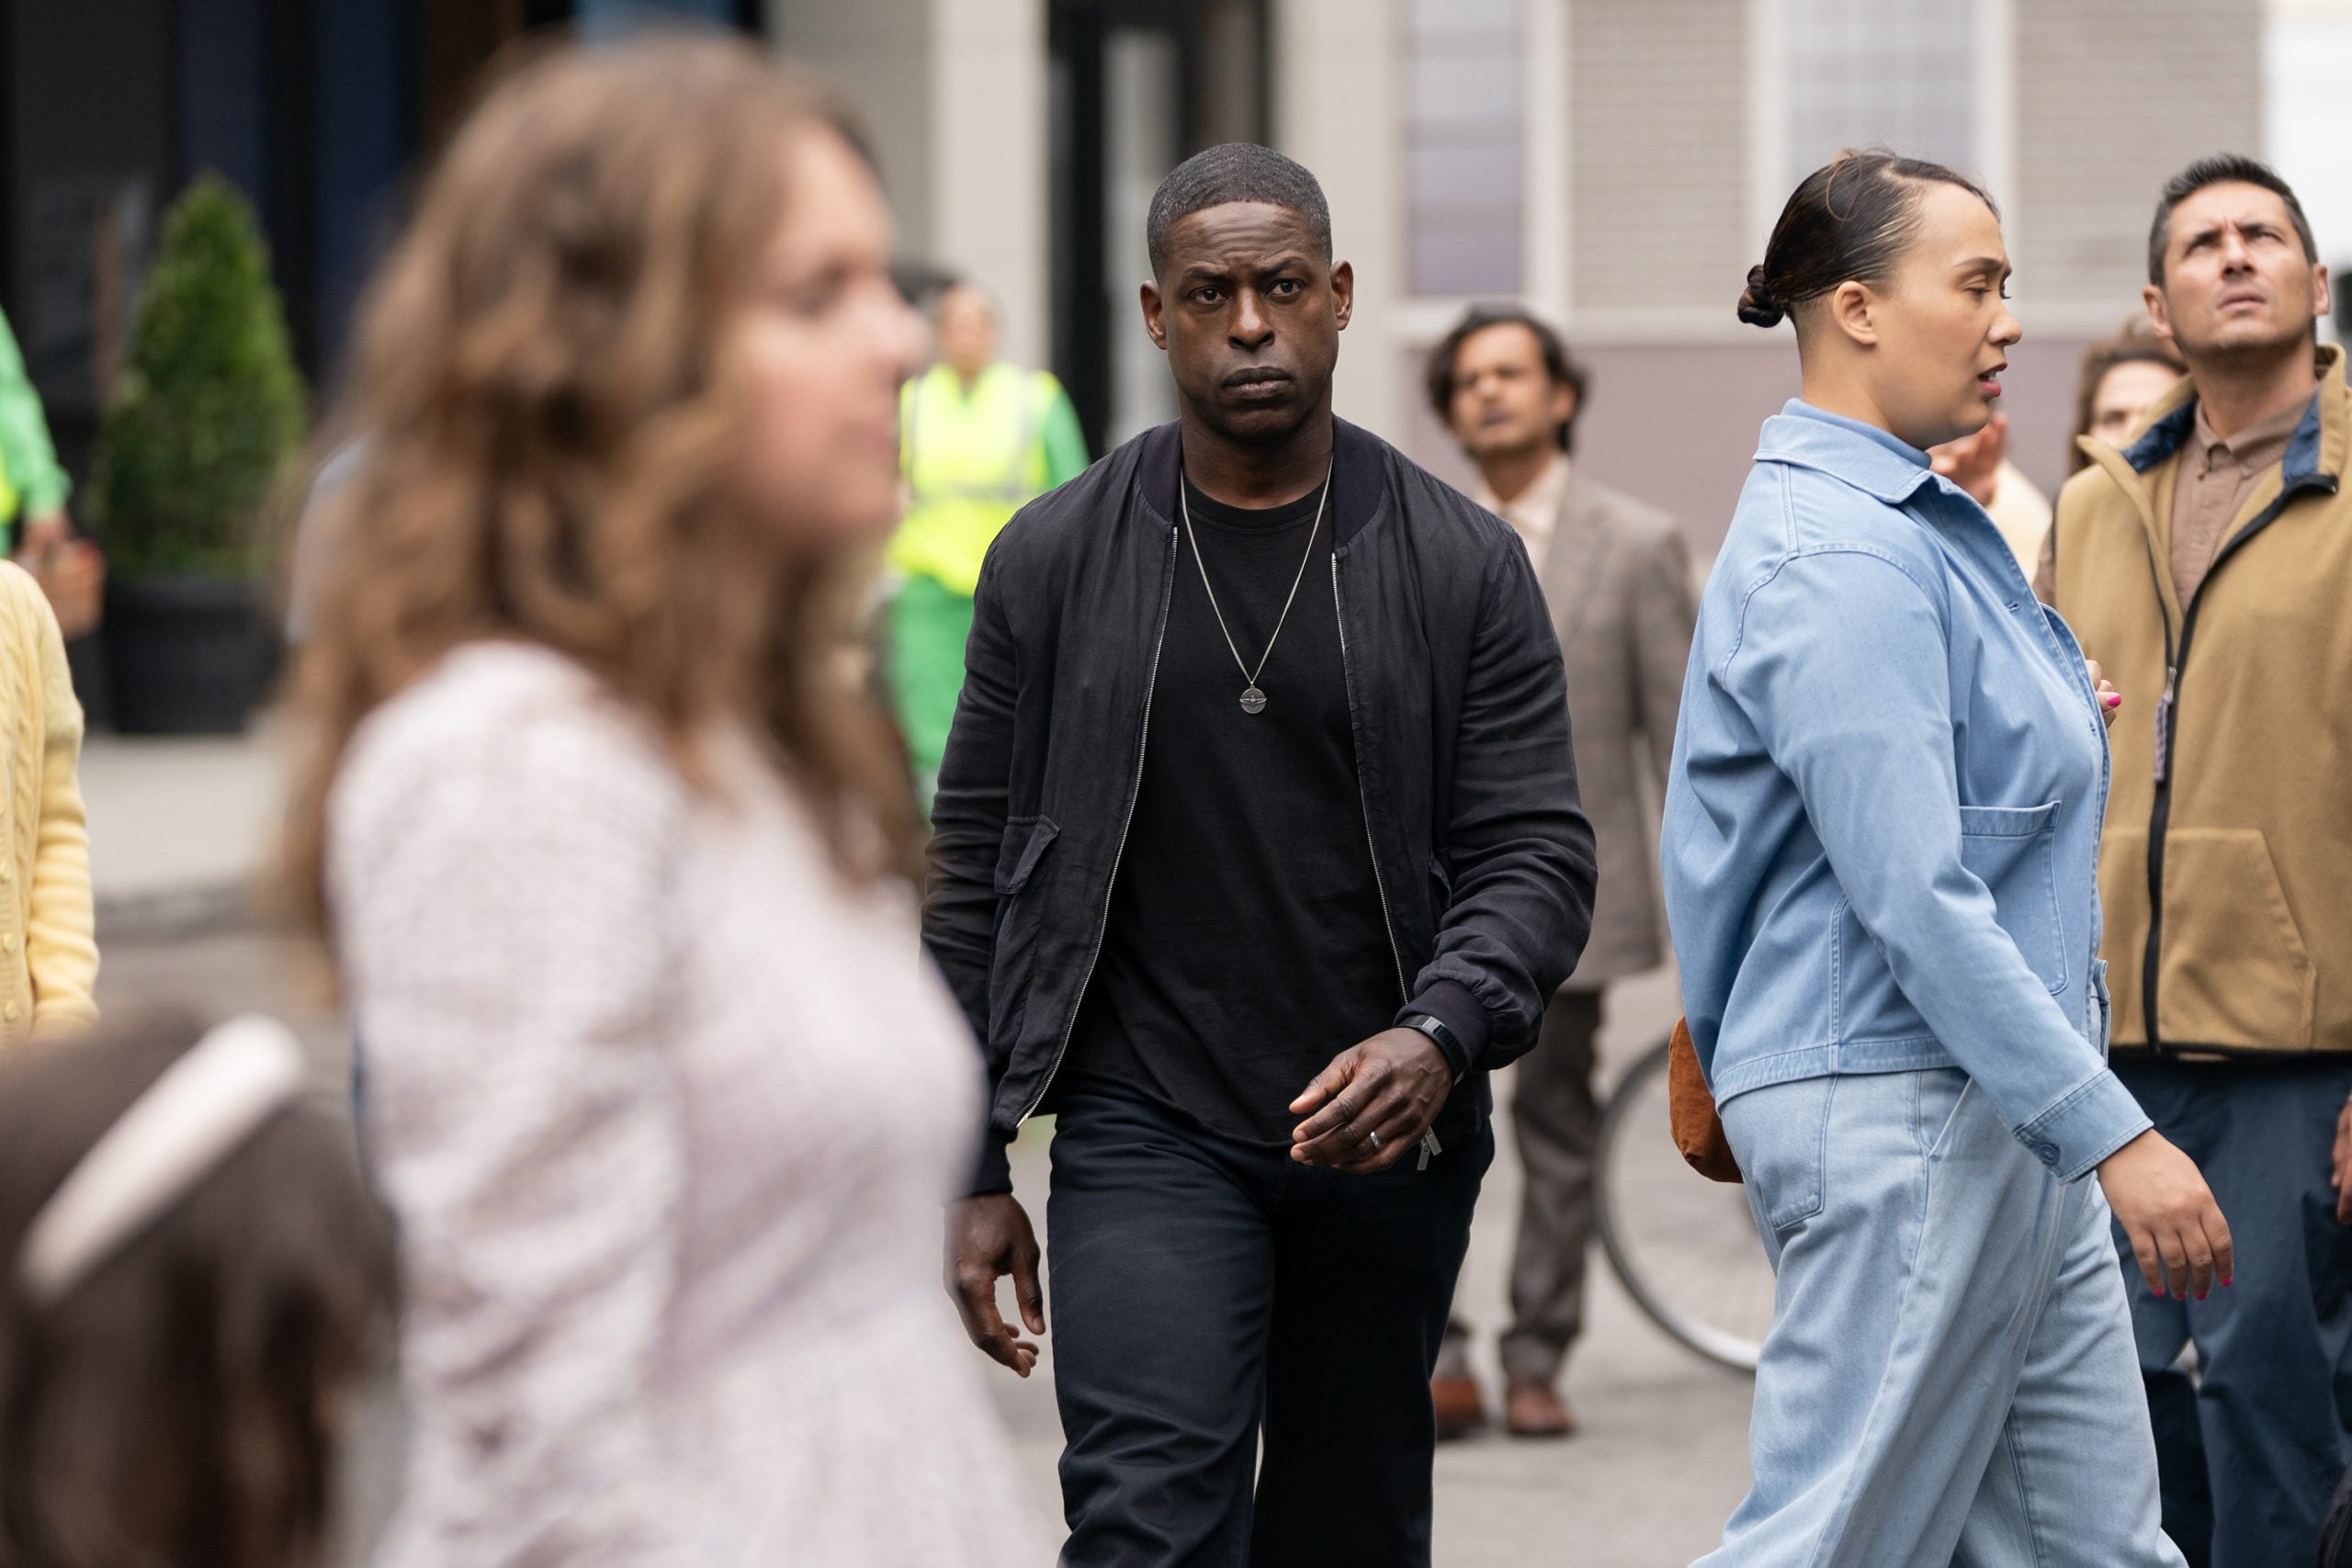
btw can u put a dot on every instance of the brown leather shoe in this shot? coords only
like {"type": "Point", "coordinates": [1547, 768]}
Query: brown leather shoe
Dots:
{"type": "Point", "coordinates": [1459, 1411]}
{"type": "Point", "coordinates": [1533, 1409]}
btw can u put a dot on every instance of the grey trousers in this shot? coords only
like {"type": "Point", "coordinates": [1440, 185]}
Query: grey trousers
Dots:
{"type": "Point", "coordinates": [1557, 1120]}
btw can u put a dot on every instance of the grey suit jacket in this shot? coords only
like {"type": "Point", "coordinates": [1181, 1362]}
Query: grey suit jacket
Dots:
{"type": "Point", "coordinates": [1617, 578]}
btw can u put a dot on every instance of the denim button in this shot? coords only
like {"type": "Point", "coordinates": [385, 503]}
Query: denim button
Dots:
{"type": "Point", "coordinates": [2048, 1153]}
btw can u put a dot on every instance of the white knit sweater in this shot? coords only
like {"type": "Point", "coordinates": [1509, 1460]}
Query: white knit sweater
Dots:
{"type": "Point", "coordinates": [667, 1112]}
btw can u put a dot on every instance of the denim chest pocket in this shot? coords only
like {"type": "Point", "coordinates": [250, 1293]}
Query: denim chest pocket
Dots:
{"type": "Point", "coordinates": [2013, 851]}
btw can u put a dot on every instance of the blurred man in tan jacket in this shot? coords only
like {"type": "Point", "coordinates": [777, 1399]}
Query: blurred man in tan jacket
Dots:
{"type": "Point", "coordinates": [1616, 577]}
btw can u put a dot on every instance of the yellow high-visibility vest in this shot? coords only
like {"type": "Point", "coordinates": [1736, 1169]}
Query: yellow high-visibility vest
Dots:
{"type": "Point", "coordinates": [971, 461]}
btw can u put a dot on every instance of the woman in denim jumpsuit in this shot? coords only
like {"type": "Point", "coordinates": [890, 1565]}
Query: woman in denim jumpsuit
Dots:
{"type": "Point", "coordinates": [1880, 851]}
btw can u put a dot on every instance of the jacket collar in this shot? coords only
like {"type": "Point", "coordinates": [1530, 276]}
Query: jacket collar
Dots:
{"type": "Point", "coordinates": [1571, 567]}
{"type": "Point", "coordinates": [1862, 456]}
{"type": "Point", "coordinates": [1358, 475]}
{"type": "Point", "coordinates": [2307, 449]}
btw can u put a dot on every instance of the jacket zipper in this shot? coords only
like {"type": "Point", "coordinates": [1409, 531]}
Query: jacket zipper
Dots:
{"type": "Point", "coordinates": [1103, 916]}
{"type": "Point", "coordinates": [1387, 923]}
{"type": "Point", "coordinates": [2168, 730]}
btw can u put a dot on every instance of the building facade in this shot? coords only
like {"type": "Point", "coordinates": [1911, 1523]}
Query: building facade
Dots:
{"type": "Point", "coordinates": [1616, 163]}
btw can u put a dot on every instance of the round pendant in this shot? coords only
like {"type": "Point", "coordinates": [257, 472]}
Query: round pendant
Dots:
{"type": "Point", "coordinates": [1253, 701]}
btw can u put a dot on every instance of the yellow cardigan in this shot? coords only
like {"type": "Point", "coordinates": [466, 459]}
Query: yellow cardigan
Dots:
{"type": "Point", "coordinates": [49, 951]}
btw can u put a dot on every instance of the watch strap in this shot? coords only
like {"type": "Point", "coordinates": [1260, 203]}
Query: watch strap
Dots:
{"type": "Point", "coordinates": [1442, 1035]}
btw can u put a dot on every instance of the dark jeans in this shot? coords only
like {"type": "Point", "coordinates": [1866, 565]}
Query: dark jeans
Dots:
{"type": "Point", "coordinates": [2250, 1452]}
{"type": "Point", "coordinates": [1203, 1288]}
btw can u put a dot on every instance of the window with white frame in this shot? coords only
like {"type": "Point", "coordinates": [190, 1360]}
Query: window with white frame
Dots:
{"type": "Point", "coordinates": [1465, 127]}
{"type": "Point", "coordinates": [1894, 74]}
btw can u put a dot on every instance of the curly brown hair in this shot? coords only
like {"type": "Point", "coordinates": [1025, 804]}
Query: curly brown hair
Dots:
{"type": "Point", "coordinates": [182, 1402]}
{"type": "Point", "coordinates": [1437, 375]}
{"type": "Point", "coordinates": [545, 423]}
{"type": "Point", "coordinates": [2135, 342]}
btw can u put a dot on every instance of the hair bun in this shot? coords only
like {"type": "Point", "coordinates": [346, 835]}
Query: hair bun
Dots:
{"type": "Point", "coordinates": [1757, 307]}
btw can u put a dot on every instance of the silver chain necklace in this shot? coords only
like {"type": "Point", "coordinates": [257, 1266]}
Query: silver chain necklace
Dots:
{"type": "Point", "coordinates": [1253, 701]}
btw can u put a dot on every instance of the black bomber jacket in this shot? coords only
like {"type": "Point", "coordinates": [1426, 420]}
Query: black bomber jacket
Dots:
{"type": "Point", "coordinates": [1458, 702]}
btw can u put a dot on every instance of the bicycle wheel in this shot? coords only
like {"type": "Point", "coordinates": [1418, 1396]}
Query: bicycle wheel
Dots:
{"type": "Point", "coordinates": [1686, 1248]}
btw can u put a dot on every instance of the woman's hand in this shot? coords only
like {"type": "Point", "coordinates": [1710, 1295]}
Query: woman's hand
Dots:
{"type": "Point", "coordinates": [2163, 1204]}
{"type": "Point", "coordinates": [2109, 699]}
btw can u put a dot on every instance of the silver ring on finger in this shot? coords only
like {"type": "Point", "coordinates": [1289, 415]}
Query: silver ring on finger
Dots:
{"type": "Point", "coordinates": [1374, 1139]}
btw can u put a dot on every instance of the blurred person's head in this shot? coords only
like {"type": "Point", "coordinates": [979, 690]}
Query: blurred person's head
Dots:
{"type": "Point", "coordinates": [965, 319]}
{"type": "Point", "coordinates": [2123, 377]}
{"type": "Point", "coordinates": [201, 1283]}
{"type": "Point", "coordinates": [2232, 270]}
{"type": "Point", "coordinates": [1244, 296]}
{"type": "Point", "coordinates": [629, 387]}
{"type": "Point", "coordinates": [1503, 383]}
{"type": "Point", "coordinates": [1897, 275]}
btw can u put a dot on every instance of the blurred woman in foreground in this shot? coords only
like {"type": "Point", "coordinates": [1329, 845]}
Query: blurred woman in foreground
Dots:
{"type": "Point", "coordinates": [614, 855]}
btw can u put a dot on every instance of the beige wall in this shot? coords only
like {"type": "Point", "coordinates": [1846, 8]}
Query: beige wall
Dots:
{"type": "Point", "coordinates": [952, 93]}
{"type": "Point", "coordinates": [877, 52]}
{"type": "Point", "coordinates": [1657, 96]}
{"type": "Point", "coordinates": [988, 164]}
{"type": "Point", "coordinates": [2113, 97]}
{"type": "Point", "coordinates": [1648, 130]}
{"type": "Point", "coordinates": [2109, 97]}
{"type": "Point", "coordinates": [1335, 110]}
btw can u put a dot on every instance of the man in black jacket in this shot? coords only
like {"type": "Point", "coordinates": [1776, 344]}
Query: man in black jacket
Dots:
{"type": "Point", "coordinates": [1257, 848]}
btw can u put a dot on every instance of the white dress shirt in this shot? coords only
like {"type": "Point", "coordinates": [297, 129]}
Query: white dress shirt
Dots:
{"type": "Point", "coordinates": [1535, 511]}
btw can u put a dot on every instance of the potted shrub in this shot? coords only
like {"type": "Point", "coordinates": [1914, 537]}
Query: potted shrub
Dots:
{"type": "Point", "coordinates": [209, 411]}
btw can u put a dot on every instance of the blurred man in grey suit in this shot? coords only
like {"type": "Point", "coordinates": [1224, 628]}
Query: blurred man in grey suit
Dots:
{"type": "Point", "coordinates": [1616, 576]}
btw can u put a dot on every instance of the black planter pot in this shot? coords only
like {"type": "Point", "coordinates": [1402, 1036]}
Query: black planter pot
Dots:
{"type": "Point", "coordinates": [189, 655]}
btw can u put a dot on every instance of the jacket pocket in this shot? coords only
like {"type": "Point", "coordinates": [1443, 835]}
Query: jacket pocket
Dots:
{"type": "Point", "coordinates": [1940, 1094]}
{"type": "Point", "coordinates": [2233, 970]}
{"type": "Point", "coordinates": [1019, 916]}
{"type": "Point", "coordinates": [2124, 900]}
{"type": "Point", "coordinates": [1026, 842]}
{"type": "Point", "coordinates": [2013, 851]}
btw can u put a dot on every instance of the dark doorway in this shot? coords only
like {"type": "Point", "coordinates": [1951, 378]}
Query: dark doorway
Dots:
{"type": "Point", "coordinates": [1137, 86]}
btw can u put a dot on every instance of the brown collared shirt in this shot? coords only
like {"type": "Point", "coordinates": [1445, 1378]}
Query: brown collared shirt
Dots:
{"type": "Point", "coordinates": [2211, 488]}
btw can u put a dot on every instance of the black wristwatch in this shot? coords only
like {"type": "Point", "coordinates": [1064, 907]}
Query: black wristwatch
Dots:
{"type": "Point", "coordinates": [1448, 1044]}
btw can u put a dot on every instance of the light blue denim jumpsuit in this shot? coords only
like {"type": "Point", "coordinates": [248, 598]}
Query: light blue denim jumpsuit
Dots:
{"type": "Point", "coordinates": [1880, 849]}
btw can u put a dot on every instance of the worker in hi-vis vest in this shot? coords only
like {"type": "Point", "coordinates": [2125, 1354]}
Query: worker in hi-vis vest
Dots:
{"type": "Point", "coordinates": [33, 485]}
{"type": "Point", "coordinates": [977, 440]}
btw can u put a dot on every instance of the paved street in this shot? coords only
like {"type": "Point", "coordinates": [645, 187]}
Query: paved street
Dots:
{"type": "Point", "coordinates": [1661, 1460]}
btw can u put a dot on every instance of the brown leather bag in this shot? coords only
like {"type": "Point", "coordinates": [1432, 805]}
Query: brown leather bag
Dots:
{"type": "Point", "coordinates": [1698, 1131]}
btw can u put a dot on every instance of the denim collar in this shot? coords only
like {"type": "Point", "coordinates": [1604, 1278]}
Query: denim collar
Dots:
{"type": "Point", "coordinates": [1868, 458]}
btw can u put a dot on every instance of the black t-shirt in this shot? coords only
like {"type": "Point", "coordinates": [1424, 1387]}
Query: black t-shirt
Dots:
{"type": "Point", "coordinates": [1246, 945]}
